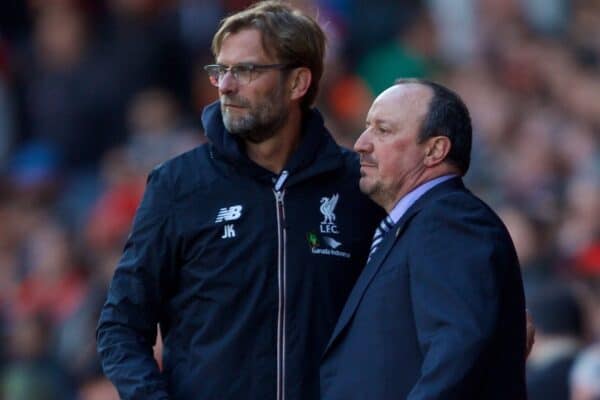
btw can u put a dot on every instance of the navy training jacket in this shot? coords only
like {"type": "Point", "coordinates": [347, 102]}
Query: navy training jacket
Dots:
{"type": "Point", "coordinates": [245, 272]}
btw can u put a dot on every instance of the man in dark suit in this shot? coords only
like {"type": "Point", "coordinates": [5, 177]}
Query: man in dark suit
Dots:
{"type": "Point", "coordinates": [438, 312]}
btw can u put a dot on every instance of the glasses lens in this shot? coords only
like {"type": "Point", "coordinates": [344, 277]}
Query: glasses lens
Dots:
{"type": "Point", "coordinates": [242, 73]}
{"type": "Point", "coordinates": [213, 71]}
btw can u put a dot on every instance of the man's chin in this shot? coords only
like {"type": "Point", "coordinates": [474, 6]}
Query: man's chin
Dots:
{"type": "Point", "coordinates": [365, 185]}
{"type": "Point", "coordinates": [236, 127]}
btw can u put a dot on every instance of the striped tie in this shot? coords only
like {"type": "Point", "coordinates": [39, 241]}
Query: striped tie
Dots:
{"type": "Point", "coordinates": [385, 225]}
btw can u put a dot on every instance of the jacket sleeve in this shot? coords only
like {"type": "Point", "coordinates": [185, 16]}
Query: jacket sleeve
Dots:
{"type": "Point", "coordinates": [454, 281]}
{"type": "Point", "coordinates": [127, 326]}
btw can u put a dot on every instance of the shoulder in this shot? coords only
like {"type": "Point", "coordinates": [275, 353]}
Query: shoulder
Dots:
{"type": "Point", "coordinates": [462, 231]}
{"type": "Point", "coordinates": [184, 172]}
{"type": "Point", "coordinates": [453, 199]}
{"type": "Point", "coordinates": [459, 212]}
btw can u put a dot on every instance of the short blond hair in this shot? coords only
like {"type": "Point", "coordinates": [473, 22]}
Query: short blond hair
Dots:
{"type": "Point", "coordinates": [288, 35]}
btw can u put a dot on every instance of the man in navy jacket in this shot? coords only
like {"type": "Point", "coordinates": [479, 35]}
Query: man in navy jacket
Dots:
{"type": "Point", "coordinates": [438, 312]}
{"type": "Point", "coordinates": [243, 251]}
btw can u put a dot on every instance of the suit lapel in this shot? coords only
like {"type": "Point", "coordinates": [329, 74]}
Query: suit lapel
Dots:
{"type": "Point", "coordinates": [369, 273]}
{"type": "Point", "coordinates": [380, 255]}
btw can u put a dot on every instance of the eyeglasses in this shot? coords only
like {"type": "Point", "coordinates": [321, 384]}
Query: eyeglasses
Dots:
{"type": "Point", "coordinates": [242, 73]}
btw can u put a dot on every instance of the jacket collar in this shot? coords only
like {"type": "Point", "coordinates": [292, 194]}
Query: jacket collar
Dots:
{"type": "Point", "coordinates": [317, 152]}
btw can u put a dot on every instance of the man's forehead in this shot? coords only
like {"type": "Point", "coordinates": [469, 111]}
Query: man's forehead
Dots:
{"type": "Point", "coordinates": [401, 100]}
{"type": "Point", "coordinates": [245, 43]}
{"type": "Point", "coordinates": [407, 93]}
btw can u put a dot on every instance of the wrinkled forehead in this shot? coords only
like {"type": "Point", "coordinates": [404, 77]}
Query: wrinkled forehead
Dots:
{"type": "Point", "coordinates": [245, 45]}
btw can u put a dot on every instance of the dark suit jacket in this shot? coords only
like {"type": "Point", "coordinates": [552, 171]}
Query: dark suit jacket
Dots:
{"type": "Point", "coordinates": [438, 312]}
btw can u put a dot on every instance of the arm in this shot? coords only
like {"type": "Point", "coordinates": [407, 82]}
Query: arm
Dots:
{"type": "Point", "coordinates": [127, 326]}
{"type": "Point", "coordinates": [455, 266]}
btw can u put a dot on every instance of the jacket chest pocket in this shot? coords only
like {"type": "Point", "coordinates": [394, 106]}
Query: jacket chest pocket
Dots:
{"type": "Point", "coordinates": [225, 256]}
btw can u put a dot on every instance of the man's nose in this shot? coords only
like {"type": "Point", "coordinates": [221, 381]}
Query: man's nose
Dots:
{"type": "Point", "coordinates": [227, 83]}
{"type": "Point", "coordinates": [362, 144]}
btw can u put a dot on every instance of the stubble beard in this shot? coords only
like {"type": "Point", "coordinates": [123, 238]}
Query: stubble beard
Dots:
{"type": "Point", "coordinates": [374, 190]}
{"type": "Point", "coordinates": [261, 121]}
{"type": "Point", "coordinates": [368, 187]}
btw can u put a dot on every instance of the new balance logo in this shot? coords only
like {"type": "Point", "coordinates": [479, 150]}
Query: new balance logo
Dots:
{"type": "Point", "coordinates": [229, 214]}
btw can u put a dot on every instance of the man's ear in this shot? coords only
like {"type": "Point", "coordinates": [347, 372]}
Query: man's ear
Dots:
{"type": "Point", "coordinates": [301, 78]}
{"type": "Point", "coordinates": [436, 150]}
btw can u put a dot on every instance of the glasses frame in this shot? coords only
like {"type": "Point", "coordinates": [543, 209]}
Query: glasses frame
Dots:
{"type": "Point", "coordinates": [216, 72]}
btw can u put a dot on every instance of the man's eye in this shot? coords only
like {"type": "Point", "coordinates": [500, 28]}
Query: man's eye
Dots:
{"type": "Point", "coordinates": [241, 69]}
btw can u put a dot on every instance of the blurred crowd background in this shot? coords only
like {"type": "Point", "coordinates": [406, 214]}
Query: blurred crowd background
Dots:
{"type": "Point", "coordinates": [95, 93]}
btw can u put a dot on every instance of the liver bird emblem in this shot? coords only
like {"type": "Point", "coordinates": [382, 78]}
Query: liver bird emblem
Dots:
{"type": "Point", "coordinates": [327, 207]}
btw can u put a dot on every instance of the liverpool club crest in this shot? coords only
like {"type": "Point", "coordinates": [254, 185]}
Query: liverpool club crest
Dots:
{"type": "Point", "coordinates": [327, 209]}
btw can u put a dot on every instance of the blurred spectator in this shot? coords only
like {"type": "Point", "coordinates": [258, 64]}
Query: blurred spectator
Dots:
{"type": "Point", "coordinates": [372, 22]}
{"type": "Point", "coordinates": [98, 388]}
{"type": "Point", "coordinates": [559, 337]}
{"type": "Point", "coordinates": [532, 247]}
{"type": "Point", "coordinates": [197, 21]}
{"type": "Point", "coordinates": [33, 374]}
{"type": "Point", "coordinates": [158, 130]}
{"type": "Point", "coordinates": [408, 54]}
{"type": "Point", "coordinates": [348, 101]}
{"type": "Point", "coordinates": [64, 88]}
{"type": "Point", "coordinates": [585, 375]}
{"type": "Point", "coordinates": [187, 28]}
{"type": "Point", "coordinates": [157, 133]}
{"type": "Point", "coordinates": [112, 212]}
{"type": "Point", "coordinates": [52, 283]}
{"type": "Point", "coordinates": [531, 174]}
{"type": "Point", "coordinates": [581, 224]}
{"type": "Point", "coordinates": [34, 172]}
{"type": "Point", "coordinates": [456, 29]}
{"type": "Point", "coordinates": [549, 17]}
{"type": "Point", "coordinates": [585, 268]}
{"type": "Point", "coordinates": [586, 262]}
{"type": "Point", "coordinates": [142, 44]}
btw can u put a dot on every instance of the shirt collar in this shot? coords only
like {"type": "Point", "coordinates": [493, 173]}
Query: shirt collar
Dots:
{"type": "Point", "coordinates": [409, 199]}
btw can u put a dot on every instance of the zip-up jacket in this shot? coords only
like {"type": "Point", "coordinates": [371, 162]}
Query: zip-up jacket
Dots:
{"type": "Point", "coordinates": [244, 271]}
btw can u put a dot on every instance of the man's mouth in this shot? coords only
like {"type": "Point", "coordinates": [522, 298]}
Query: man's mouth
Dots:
{"type": "Point", "coordinates": [231, 102]}
{"type": "Point", "coordinates": [366, 163]}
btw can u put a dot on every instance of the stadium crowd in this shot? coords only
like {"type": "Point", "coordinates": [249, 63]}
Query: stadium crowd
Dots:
{"type": "Point", "coordinates": [94, 94]}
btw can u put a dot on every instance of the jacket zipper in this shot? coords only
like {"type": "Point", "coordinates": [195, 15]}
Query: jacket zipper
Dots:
{"type": "Point", "coordinates": [281, 280]}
